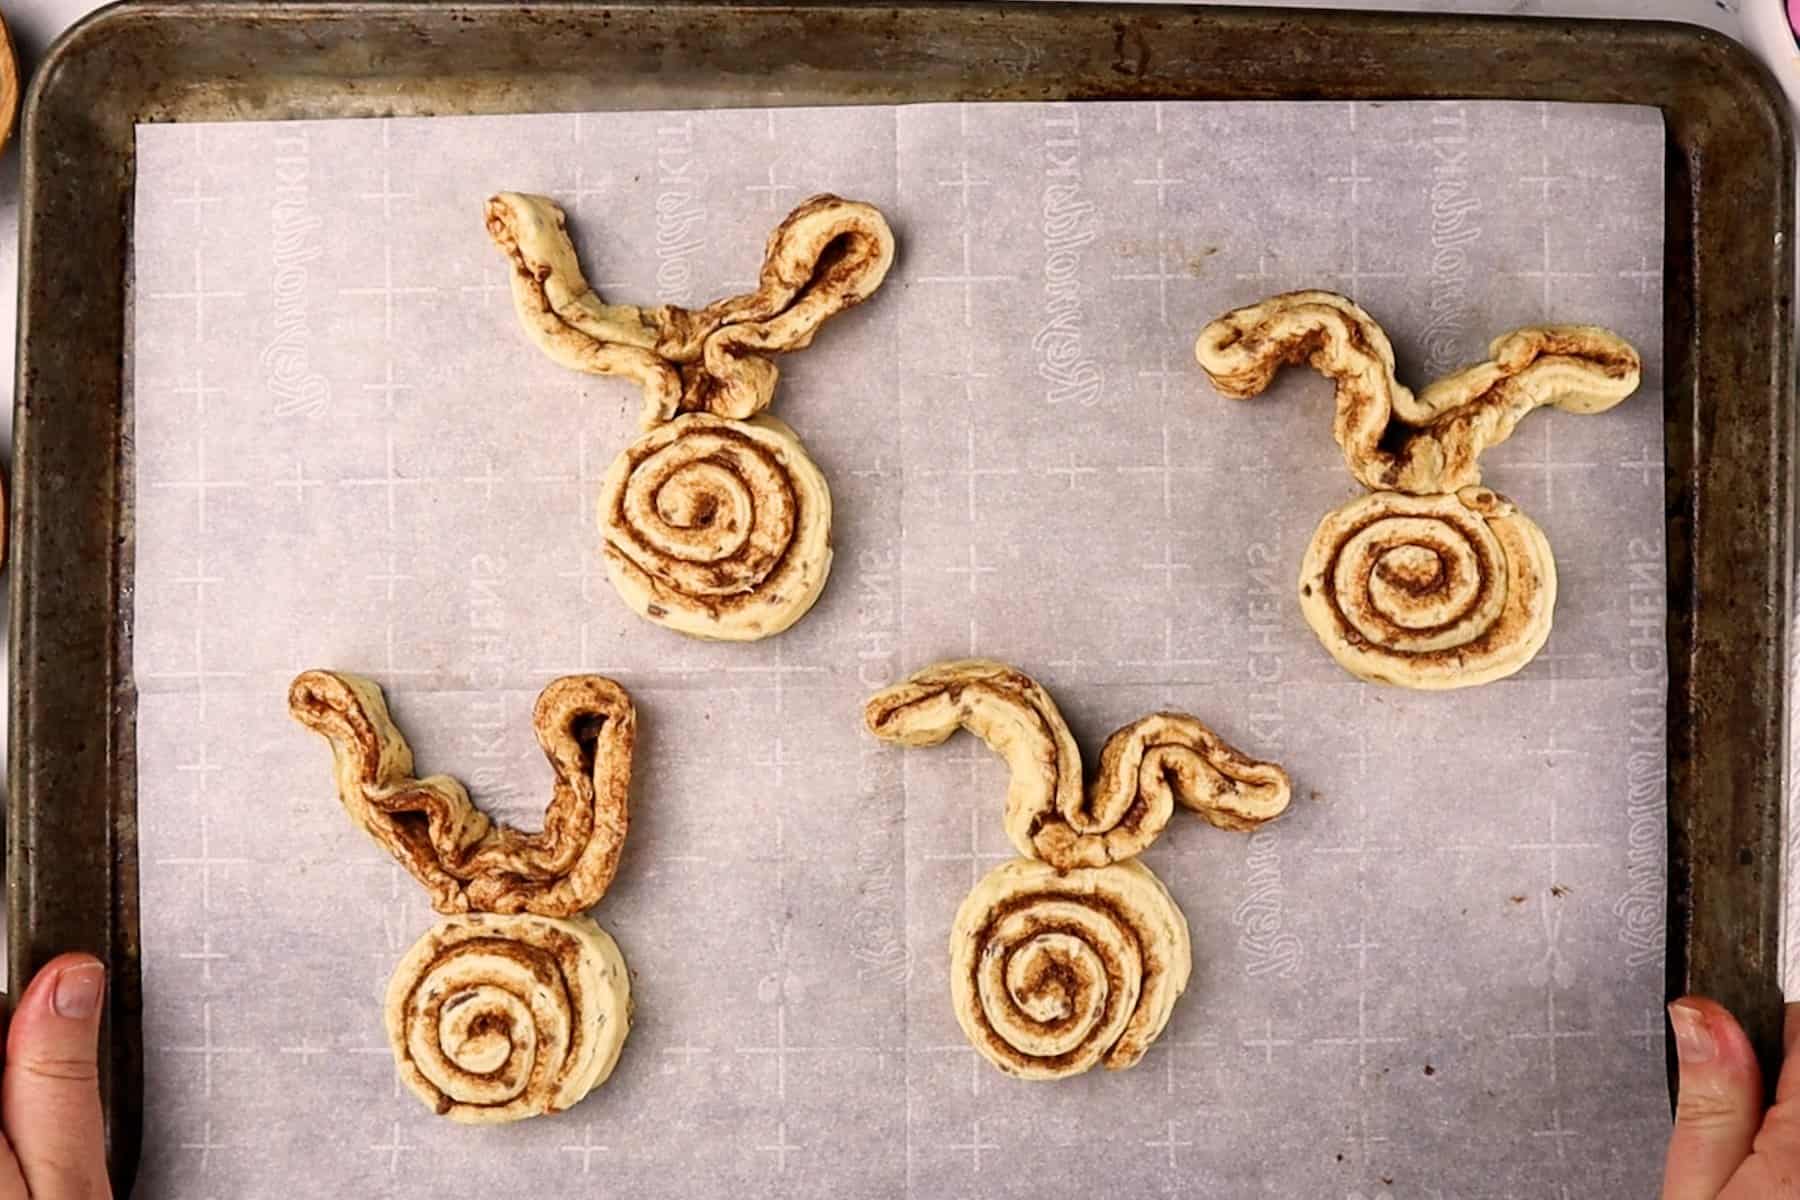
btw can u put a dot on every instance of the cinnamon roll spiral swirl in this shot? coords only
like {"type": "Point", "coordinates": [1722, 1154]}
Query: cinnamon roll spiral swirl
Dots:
{"type": "Point", "coordinates": [1053, 972]}
{"type": "Point", "coordinates": [500, 1018]}
{"type": "Point", "coordinates": [716, 528]}
{"type": "Point", "coordinates": [1429, 591]}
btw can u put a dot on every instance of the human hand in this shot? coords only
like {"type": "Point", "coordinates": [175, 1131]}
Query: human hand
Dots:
{"type": "Point", "coordinates": [1725, 1147]}
{"type": "Point", "coordinates": [54, 1146]}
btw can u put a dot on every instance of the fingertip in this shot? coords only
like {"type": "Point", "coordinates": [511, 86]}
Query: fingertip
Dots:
{"type": "Point", "coordinates": [44, 982]}
{"type": "Point", "coordinates": [1706, 1032]}
{"type": "Point", "coordinates": [68, 987]}
{"type": "Point", "coordinates": [1694, 1043]}
{"type": "Point", "coordinates": [49, 1099]}
{"type": "Point", "coordinates": [1718, 1100]}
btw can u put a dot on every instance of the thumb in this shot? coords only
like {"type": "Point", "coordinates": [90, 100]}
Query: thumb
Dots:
{"type": "Point", "coordinates": [1718, 1105]}
{"type": "Point", "coordinates": [50, 1094]}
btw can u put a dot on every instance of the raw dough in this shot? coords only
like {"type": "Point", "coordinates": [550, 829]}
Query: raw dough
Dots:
{"type": "Point", "coordinates": [717, 524]}
{"type": "Point", "coordinates": [717, 529]}
{"type": "Point", "coordinates": [1144, 768]}
{"type": "Point", "coordinates": [565, 318]}
{"type": "Point", "coordinates": [520, 1009]}
{"type": "Point", "coordinates": [586, 726]}
{"type": "Point", "coordinates": [1075, 954]}
{"type": "Point", "coordinates": [1052, 972]}
{"type": "Point", "coordinates": [1391, 439]}
{"type": "Point", "coordinates": [828, 255]}
{"type": "Point", "coordinates": [1431, 581]}
{"type": "Point", "coordinates": [1429, 591]}
{"type": "Point", "coordinates": [500, 1018]}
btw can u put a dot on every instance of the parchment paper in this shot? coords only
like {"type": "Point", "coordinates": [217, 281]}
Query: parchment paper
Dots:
{"type": "Point", "coordinates": [1438, 976]}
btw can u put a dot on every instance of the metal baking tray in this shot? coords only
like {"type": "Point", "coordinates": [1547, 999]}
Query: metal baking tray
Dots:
{"type": "Point", "coordinates": [1729, 270]}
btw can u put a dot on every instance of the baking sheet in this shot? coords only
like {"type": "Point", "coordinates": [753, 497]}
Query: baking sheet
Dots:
{"type": "Point", "coordinates": [1440, 974]}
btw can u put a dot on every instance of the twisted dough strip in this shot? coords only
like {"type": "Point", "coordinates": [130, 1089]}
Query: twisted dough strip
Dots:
{"type": "Point", "coordinates": [499, 1018]}
{"type": "Point", "coordinates": [828, 255]}
{"type": "Point", "coordinates": [1391, 439]}
{"type": "Point", "coordinates": [1429, 591]}
{"type": "Point", "coordinates": [717, 528]}
{"type": "Point", "coordinates": [586, 726]}
{"type": "Point", "coordinates": [1144, 769]}
{"type": "Point", "coordinates": [1052, 972]}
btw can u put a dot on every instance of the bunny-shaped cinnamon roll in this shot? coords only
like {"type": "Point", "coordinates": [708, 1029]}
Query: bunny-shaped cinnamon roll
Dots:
{"type": "Point", "coordinates": [1430, 580]}
{"type": "Point", "coordinates": [716, 522]}
{"type": "Point", "coordinates": [517, 1004]}
{"type": "Point", "coordinates": [1074, 954]}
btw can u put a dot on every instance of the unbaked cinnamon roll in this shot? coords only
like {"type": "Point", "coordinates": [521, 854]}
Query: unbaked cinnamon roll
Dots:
{"type": "Point", "coordinates": [1054, 972]}
{"type": "Point", "coordinates": [1429, 591]}
{"type": "Point", "coordinates": [717, 528]}
{"type": "Point", "coordinates": [1430, 581]}
{"type": "Point", "coordinates": [515, 1006]}
{"type": "Point", "coordinates": [717, 524]}
{"type": "Point", "coordinates": [1073, 955]}
{"type": "Point", "coordinates": [500, 1018]}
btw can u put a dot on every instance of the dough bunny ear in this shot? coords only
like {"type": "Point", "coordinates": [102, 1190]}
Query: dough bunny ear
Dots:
{"type": "Point", "coordinates": [828, 255]}
{"type": "Point", "coordinates": [468, 863]}
{"type": "Point", "coordinates": [1391, 439]}
{"type": "Point", "coordinates": [565, 318]}
{"type": "Point", "coordinates": [1145, 767]}
{"type": "Point", "coordinates": [1006, 709]}
{"type": "Point", "coordinates": [1169, 757]}
{"type": "Point", "coordinates": [368, 751]}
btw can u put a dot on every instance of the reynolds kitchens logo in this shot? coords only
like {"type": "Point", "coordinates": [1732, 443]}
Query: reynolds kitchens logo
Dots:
{"type": "Point", "coordinates": [1267, 945]}
{"type": "Point", "coordinates": [296, 389]}
{"type": "Point", "coordinates": [1069, 374]}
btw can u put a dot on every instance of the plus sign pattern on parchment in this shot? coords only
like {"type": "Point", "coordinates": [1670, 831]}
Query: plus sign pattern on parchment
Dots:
{"type": "Point", "coordinates": [1438, 976]}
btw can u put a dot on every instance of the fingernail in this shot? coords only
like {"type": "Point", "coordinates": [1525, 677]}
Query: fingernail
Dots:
{"type": "Point", "coordinates": [1693, 1042]}
{"type": "Point", "coordinates": [77, 994]}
